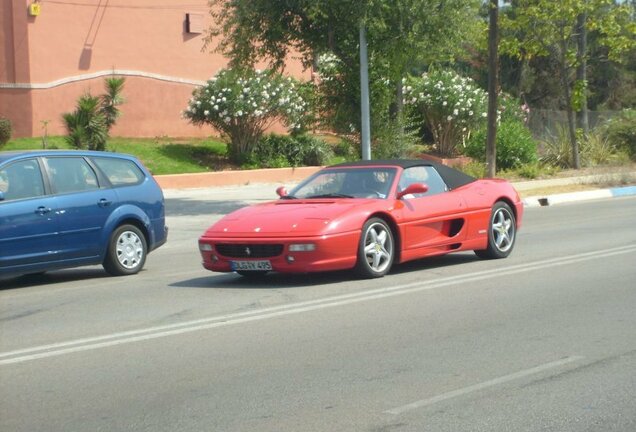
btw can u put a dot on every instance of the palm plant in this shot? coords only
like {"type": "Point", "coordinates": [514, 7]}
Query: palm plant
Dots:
{"type": "Point", "coordinates": [88, 126]}
{"type": "Point", "coordinates": [112, 99]}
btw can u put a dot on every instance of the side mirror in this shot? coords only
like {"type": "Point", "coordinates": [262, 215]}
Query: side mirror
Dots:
{"type": "Point", "coordinates": [412, 189]}
{"type": "Point", "coordinates": [281, 191]}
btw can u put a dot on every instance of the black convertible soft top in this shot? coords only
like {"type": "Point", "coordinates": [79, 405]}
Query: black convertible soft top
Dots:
{"type": "Point", "coordinates": [452, 177]}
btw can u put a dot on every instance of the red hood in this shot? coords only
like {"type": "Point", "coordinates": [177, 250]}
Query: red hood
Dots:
{"type": "Point", "coordinates": [306, 217]}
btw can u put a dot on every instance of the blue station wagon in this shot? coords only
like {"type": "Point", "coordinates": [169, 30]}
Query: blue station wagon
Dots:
{"type": "Point", "coordinates": [61, 209]}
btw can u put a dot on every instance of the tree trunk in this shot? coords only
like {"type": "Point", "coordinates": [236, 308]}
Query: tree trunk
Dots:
{"type": "Point", "coordinates": [399, 107]}
{"type": "Point", "coordinates": [493, 83]}
{"type": "Point", "coordinates": [576, 163]}
{"type": "Point", "coordinates": [581, 71]}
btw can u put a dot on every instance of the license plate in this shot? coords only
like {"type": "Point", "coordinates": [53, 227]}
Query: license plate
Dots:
{"type": "Point", "coordinates": [251, 265]}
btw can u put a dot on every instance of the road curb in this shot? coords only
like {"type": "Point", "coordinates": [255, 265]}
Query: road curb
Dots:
{"type": "Point", "coordinates": [234, 178]}
{"type": "Point", "coordinates": [549, 200]}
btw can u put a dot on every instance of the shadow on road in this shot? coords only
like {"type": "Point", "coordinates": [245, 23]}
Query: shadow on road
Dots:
{"type": "Point", "coordinates": [55, 277]}
{"type": "Point", "coordinates": [283, 281]}
{"type": "Point", "coordinates": [189, 207]}
{"type": "Point", "coordinates": [268, 281]}
{"type": "Point", "coordinates": [434, 263]}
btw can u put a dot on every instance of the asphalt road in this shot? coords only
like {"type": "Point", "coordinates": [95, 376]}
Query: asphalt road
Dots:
{"type": "Point", "coordinates": [542, 341]}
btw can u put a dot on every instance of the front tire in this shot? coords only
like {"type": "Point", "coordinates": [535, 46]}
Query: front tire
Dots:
{"type": "Point", "coordinates": [126, 252]}
{"type": "Point", "coordinates": [376, 250]}
{"type": "Point", "coordinates": [502, 231]}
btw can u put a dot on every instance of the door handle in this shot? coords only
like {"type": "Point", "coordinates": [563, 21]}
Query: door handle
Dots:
{"type": "Point", "coordinates": [42, 210]}
{"type": "Point", "coordinates": [104, 202]}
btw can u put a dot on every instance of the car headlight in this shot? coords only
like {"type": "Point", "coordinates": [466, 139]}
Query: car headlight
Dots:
{"type": "Point", "coordinates": [302, 247]}
{"type": "Point", "coordinates": [205, 247]}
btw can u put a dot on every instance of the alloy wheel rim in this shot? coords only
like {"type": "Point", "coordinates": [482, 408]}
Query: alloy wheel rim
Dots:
{"type": "Point", "coordinates": [378, 247]}
{"type": "Point", "coordinates": [130, 250]}
{"type": "Point", "coordinates": [503, 229]}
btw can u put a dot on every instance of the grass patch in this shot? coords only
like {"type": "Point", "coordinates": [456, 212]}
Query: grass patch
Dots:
{"type": "Point", "coordinates": [53, 142]}
{"type": "Point", "coordinates": [160, 155]}
{"type": "Point", "coordinates": [170, 156]}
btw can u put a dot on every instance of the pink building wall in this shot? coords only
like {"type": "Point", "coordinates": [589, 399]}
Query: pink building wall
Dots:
{"type": "Point", "coordinates": [48, 61]}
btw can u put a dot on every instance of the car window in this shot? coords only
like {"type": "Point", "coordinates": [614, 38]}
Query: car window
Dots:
{"type": "Point", "coordinates": [71, 174]}
{"type": "Point", "coordinates": [21, 179]}
{"type": "Point", "coordinates": [120, 171]}
{"type": "Point", "coordinates": [324, 184]}
{"type": "Point", "coordinates": [422, 174]}
{"type": "Point", "coordinates": [347, 182]}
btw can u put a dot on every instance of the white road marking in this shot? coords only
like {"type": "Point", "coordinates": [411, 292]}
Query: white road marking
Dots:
{"type": "Point", "coordinates": [491, 383]}
{"type": "Point", "coordinates": [120, 338]}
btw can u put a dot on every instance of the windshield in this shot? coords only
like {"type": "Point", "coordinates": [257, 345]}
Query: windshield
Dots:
{"type": "Point", "coordinates": [351, 182]}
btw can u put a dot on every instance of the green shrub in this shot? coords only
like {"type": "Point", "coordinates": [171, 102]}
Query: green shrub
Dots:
{"type": "Point", "coordinates": [393, 139]}
{"type": "Point", "coordinates": [621, 132]}
{"type": "Point", "coordinates": [475, 169]}
{"type": "Point", "coordinates": [242, 104]}
{"type": "Point", "coordinates": [315, 152]}
{"type": "Point", "coordinates": [594, 149]}
{"type": "Point", "coordinates": [346, 149]}
{"type": "Point", "coordinates": [88, 126]}
{"type": "Point", "coordinates": [6, 130]}
{"type": "Point", "coordinates": [278, 151]}
{"type": "Point", "coordinates": [597, 149]}
{"type": "Point", "coordinates": [529, 171]}
{"type": "Point", "coordinates": [515, 145]}
{"type": "Point", "coordinates": [450, 106]}
{"type": "Point", "coordinates": [511, 108]}
{"type": "Point", "coordinates": [272, 151]}
{"type": "Point", "coordinates": [557, 149]}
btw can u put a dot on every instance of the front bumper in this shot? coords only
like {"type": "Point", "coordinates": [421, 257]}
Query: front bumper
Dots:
{"type": "Point", "coordinates": [332, 252]}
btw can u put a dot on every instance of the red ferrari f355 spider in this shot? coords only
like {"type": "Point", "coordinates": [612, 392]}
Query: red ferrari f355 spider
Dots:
{"type": "Point", "coordinates": [366, 216]}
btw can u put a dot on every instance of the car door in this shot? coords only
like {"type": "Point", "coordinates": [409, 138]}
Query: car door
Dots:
{"type": "Point", "coordinates": [83, 205]}
{"type": "Point", "coordinates": [435, 219]}
{"type": "Point", "coordinates": [28, 223]}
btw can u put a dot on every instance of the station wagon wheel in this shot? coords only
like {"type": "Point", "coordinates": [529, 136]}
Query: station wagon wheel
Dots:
{"type": "Point", "coordinates": [376, 249]}
{"type": "Point", "coordinates": [502, 231]}
{"type": "Point", "coordinates": [126, 252]}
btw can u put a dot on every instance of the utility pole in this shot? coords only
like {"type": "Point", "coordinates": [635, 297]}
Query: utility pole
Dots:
{"type": "Point", "coordinates": [365, 131]}
{"type": "Point", "coordinates": [493, 84]}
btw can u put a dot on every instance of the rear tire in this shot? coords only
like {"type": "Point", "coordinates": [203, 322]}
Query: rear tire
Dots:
{"type": "Point", "coordinates": [126, 252]}
{"type": "Point", "coordinates": [376, 250]}
{"type": "Point", "coordinates": [502, 232]}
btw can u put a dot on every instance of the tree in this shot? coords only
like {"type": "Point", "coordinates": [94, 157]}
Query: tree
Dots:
{"type": "Point", "coordinates": [551, 29]}
{"type": "Point", "coordinates": [402, 36]}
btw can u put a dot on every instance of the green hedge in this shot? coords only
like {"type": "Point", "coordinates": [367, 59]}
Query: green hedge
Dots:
{"type": "Point", "coordinates": [5, 131]}
{"type": "Point", "coordinates": [277, 151]}
{"type": "Point", "coordinates": [621, 132]}
{"type": "Point", "coordinates": [515, 145]}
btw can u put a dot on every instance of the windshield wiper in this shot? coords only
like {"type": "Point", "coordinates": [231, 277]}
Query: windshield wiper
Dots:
{"type": "Point", "coordinates": [330, 195]}
{"type": "Point", "coordinates": [289, 197]}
